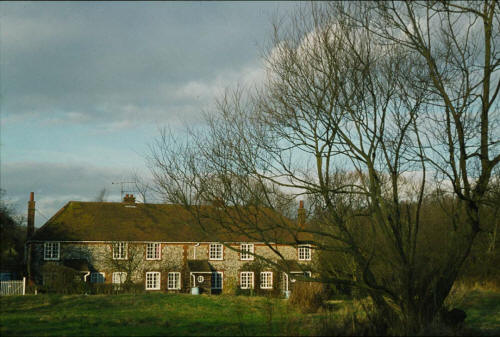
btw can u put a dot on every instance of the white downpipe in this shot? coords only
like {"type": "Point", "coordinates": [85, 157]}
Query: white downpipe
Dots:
{"type": "Point", "coordinates": [24, 285]}
{"type": "Point", "coordinates": [85, 277]}
{"type": "Point", "coordinates": [194, 251]}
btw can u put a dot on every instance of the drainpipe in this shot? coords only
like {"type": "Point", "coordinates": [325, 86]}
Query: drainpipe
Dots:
{"type": "Point", "coordinates": [194, 252]}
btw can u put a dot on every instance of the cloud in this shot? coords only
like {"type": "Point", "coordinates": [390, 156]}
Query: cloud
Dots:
{"type": "Point", "coordinates": [55, 184]}
{"type": "Point", "coordinates": [99, 63]}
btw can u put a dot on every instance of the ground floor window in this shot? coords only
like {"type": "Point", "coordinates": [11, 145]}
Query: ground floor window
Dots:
{"type": "Point", "coordinates": [216, 280]}
{"type": "Point", "coordinates": [119, 277]}
{"type": "Point", "coordinates": [174, 281]}
{"type": "Point", "coordinates": [246, 280]}
{"type": "Point", "coordinates": [266, 280]}
{"type": "Point", "coordinates": [97, 277]}
{"type": "Point", "coordinates": [153, 280]}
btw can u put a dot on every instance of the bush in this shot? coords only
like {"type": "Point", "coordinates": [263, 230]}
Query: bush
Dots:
{"type": "Point", "coordinates": [308, 296]}
{"type": "Point", "coordinates": [231, 286]}
{"type": "Point", "coordinates": [61, 279]}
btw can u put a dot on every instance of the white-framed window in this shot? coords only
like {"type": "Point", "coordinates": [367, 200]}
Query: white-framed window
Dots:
{"type": "Point", "coordinates": [174, 281]}
{"type": "Point", "coordinates": [217, 280]}
{"type": "Point", "coordinates": [153, 251]}
{"type": "Point", "coordinates": [119, 251]}
{"type": "Point", "coordinates": [119, 277]}
{"type": "Point", "coordinates": [51, 250]}
{"type": "Point", "coordinates": [246, 280]}
{"type": "Point", "coordinates": [304, 252]}
{"type": "Point", "coordinates": [215, 251]}
{"type": "Point", "coordinates": [153, 280]}
{"type": "Point", "coordinates": [246, 249]}
{"type": "Point", "coordinates": [266, 280]}
{"type": "Point", "coordinates": [97, 277]}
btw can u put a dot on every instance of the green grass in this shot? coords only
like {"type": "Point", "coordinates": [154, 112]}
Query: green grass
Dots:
{"type": "Point", "coordinates": [181, 314]}
{"type": "Point", "coordinates": [483, 312]}
{"type": "Point", "coordinates": [148, 314]}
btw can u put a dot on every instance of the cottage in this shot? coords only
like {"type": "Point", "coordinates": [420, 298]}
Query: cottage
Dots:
{"type": "Point", "coordinates": [169, 248]}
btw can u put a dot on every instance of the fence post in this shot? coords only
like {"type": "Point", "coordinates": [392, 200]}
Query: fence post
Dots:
{"type": "Point", "coordinates": [24, 285]}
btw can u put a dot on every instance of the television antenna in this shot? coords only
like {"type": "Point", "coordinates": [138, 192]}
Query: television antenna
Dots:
{"type": "Point", "coordinates": [122, 190]}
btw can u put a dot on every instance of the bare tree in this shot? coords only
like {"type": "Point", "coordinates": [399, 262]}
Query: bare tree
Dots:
{"type": "Point", "coordinates": [142, 186]}
{"type": "Point", "coordinates": [361, 102]}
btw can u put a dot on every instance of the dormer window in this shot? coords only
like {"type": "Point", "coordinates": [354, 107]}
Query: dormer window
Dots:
{"type": "Point", "coordinates": [215, 251]}
{"type": "Point", "coordinates": [247, 250]}
{"type": "Point", "coordinates": [51, 251]}
{"type": "Point", "coordinates": [119, 251]}
{"type": "Point", "coordinates": [304, 252]}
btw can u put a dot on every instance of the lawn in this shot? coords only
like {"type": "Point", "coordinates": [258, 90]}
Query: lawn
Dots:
{"type": "Point", "coordinates": [148, 314]}
{"type": "Point", "coordinates": [182, 314]}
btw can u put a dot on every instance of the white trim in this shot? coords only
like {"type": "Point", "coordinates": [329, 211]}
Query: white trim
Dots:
{"type": "Point", "coordinates": [48, 249]}
{"type": "Point", "coordinates": [175, 286]}
{"type": "Point", "coordinates": [285, 280]}
{"type": "Point", "coordinates": [92, 280]}
{"type": "Point", "coordinates": [227, 243]}
{"type": "Point", "coordinates": [307, 253]}
{"type": "Point", "coordinates": [263, 277]}
{"type": "Point", "coordinates": [244, 252]}
{"type": "Point", "coordinates": [221, 251]}
{"type": "Point", "coordinates": [251, 282]}
{"type": "Point", "coordinates": [221, 273]}
{"type": "Point", "coordinates": [122, 248]}
{"type": "Point", "coordinates": [156, 283]}
{"type": "Point", "coordinates": [121, 279]}
{"type": "Point", "coordinates": [154, 251]}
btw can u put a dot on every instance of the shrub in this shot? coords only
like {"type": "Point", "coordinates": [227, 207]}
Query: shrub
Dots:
{"type": "Point", "coordinates": [60, 279]}
{"type": "Point", "coordinates": [231, 286]}
{"type": "Point", "coordinates": [308, 296]}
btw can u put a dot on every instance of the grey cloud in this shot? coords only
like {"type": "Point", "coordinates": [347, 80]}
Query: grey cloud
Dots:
{"type": "Point", "coordinates": [98, 59]}
{"type": "Point", "coordinates": [55, 184]}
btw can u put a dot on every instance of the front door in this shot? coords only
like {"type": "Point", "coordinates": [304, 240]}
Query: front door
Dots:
{"type": "Point", "coordinates": [217, 279]}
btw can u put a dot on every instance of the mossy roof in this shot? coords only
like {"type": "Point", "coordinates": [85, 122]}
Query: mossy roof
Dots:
{"type": "Point", "coordinates": [115, 221]}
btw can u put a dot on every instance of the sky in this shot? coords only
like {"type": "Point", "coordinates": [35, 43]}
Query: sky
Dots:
{"type": "Point", "coordinates": [86, 86]}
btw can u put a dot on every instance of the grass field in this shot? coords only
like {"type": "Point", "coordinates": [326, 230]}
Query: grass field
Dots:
{"type": "Point", "coordinates": [169, 314]}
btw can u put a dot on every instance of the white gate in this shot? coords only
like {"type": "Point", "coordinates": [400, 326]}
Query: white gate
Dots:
{"type": "Point", "coordinates": [13, 287]}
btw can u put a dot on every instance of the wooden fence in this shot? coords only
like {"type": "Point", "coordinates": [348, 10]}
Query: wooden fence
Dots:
{"type": "Point", "coordinates": [17, 287]}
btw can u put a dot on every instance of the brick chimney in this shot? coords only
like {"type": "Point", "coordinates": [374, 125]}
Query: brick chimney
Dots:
{"type": "Point", "coordinates": [31, 216]}
{"type": "Point", "coordinates": [301, 214]}
{"type": "Point", "coordinates": [129, 199]}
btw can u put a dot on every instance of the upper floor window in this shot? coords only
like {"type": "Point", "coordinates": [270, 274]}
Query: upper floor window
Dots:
{"type": "Point", "coordinates": [51, 250]}
{"type": "Point", "coordinates": [304, 252]}
{"type": "Point", "coordinates": [153, 280]}
{"type": "Point", "coordinates": [247, 250]}
{"type": "Point", "coordinates": [174, 281]}
{"type": "Point", "coordinates": [266, 280]}
{"type": "Point", "coordinates": [153, 251]}
{"type": "Point", "coordinates": [246, 280]}
{"type": "Point", "coordinates": [119, 251]}
{"type": "Point", "coordinates": [215, 251]}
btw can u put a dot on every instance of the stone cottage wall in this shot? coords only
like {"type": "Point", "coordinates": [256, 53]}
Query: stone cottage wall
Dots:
{"type": "Point", "coordinates": [174, 257]}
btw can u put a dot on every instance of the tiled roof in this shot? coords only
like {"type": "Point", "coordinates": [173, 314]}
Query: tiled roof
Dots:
{"type": "Point", "coordinates": [115, 221]}
{"type": "Point", "coordinates": [200, 266]}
